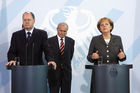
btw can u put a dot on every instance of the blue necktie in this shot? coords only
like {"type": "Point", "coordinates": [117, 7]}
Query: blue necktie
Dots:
{"type": "Point", "coordinates": [28, 36]}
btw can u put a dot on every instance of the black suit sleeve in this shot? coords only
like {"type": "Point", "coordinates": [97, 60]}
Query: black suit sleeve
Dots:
{"type": "Point", "coordinates": [72, 50]}
{"type": "Point", "coordinates": [91, 50]}
{"type": "Point", "coordinates": [121, 47]}
{"type": "Point", "coordinates": [12, 50]}
{"type": "Point", "coordinates": [46, 48]}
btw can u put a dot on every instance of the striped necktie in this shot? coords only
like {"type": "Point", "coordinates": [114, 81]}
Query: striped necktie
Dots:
{"type": "Point", "coordinates": [61, 46]}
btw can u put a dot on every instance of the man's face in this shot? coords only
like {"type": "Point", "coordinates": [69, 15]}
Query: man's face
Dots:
{"type": "Point", "coordinates": [62, 30]}
{"type": "Point", "coordinates": [28, 21]}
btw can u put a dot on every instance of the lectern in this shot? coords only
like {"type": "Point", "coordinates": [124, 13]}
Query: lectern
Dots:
{"type": "Point", "coordinates": [113, 78]}
{"type": "Point", "coordinates": [29, 79]}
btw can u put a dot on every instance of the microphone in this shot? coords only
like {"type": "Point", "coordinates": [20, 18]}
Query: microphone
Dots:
{"type": "Point", "coordinates": [32, 53]}
{"type": "Point", "coordinates": [26, 50]}
{"type": "Point", "coordinates": [28, 37]}
{"type": "Point", "coordinates": [17, 59]}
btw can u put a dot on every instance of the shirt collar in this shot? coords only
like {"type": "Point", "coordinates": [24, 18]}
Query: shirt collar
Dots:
{"type": "Point", "coordinates": [60, 38]}
{"type": "Point", "coordinates": [31, 31]}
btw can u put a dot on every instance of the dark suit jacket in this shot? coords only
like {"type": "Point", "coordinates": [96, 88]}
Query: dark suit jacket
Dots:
{"type": "Point", "coordinates": [30, 53]}
{"type": "Point", "coordinates": [108, 52]}
{"type": "Point", "coordinates": [61, 61]}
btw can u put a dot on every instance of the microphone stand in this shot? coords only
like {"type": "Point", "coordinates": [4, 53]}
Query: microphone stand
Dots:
{"type": "Point", "coordinates": [26, 53]}
{"type": "Point", "coordinates": [32, 53]}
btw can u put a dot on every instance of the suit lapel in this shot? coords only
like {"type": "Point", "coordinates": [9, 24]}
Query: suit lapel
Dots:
{"type": "Point", "coordinates": [101, 39]}
{"type": "Point", "coordinates": [56, 43]}
{"type": "Point", "coordinates": [112, 40]}
{"type": "Point", "coordinates": [66, 45]}
{"type": "Point", "coordinates": [102, 45]}
{"type": "Point", "coordinates": [23, 37]}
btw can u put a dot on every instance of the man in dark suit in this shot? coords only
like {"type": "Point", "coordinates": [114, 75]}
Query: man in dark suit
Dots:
{"type": "Point", "coordinates": [29, 43]}
{"type": "Point", "coordinates": [62, 48]}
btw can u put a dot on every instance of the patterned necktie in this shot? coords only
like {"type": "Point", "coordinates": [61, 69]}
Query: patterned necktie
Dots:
{"type": "Point", "coordinates": [61, 46]}
{"type": "Point", "coordinates": [28, 36]}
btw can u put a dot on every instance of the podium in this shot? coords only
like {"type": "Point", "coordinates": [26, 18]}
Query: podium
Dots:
{"type": "Point", "coordinates": [29, 79]}
{"type": "Point", "coordinates": [112, 78]}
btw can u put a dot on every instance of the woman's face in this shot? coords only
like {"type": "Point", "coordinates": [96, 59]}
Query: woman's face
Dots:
{"type": "Point", "coordinates": [105, 26]}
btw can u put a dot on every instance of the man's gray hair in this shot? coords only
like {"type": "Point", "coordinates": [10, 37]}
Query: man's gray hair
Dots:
{"type": "Point", "coordinates": [63, 24]}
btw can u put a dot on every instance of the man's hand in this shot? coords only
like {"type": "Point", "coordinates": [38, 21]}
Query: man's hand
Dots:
{"type": "Point", "coordinates": [10, 63]}
{"type": "Point", "coordinates": [52, 63]}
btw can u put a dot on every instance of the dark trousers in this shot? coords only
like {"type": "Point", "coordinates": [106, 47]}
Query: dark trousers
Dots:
{"type": "Point", "coordinates": [59, 81]}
